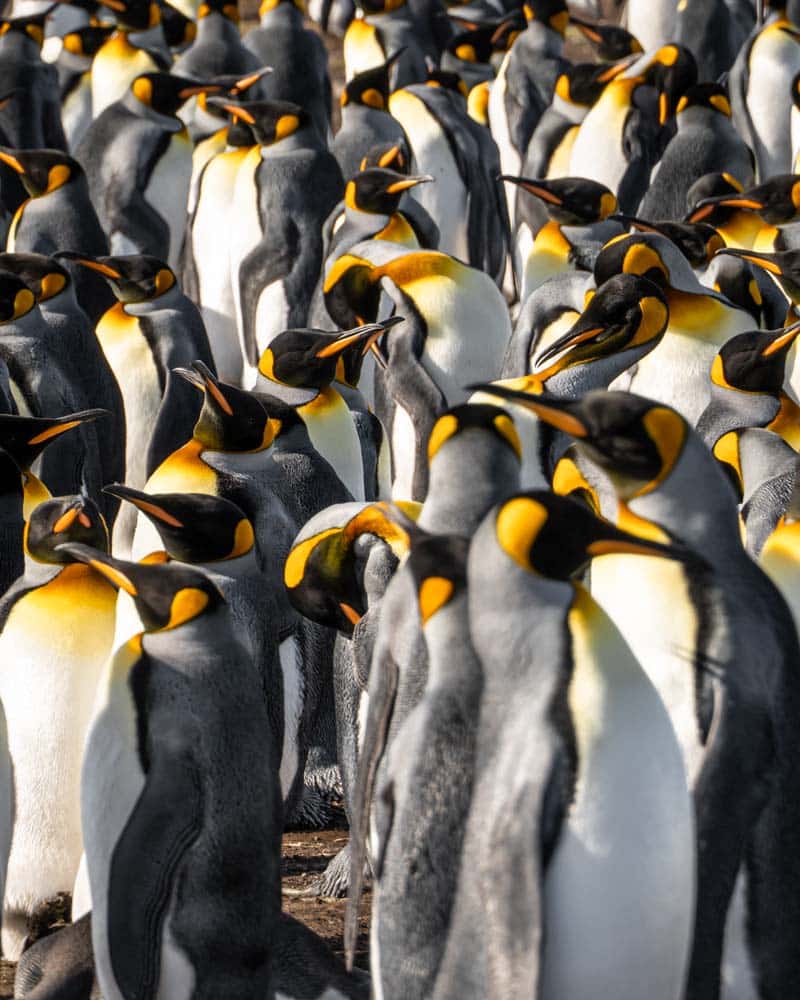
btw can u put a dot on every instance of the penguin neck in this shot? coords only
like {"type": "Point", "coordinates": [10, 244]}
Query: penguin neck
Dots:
{"type": "Point", "coordinates": [37, 573]}
{"type": "Point", "coordinates": [238, 567]}
{"type": "Point", "coordinates": [289, 394]}
{"type": "Point", "coordinates": [195, 647]}
{"type": "Point", "coordinates": [465, 482]}
{"type": "Point", "coordinates": [73, 62]}
{"type": "Point", "coordinates": [706, 520]}
{"type": "Point", "coordinates": [282, 14]}
{"type": "Point", "coordinates": [64, 302]}
{"type": "Point", "coordinates": [451, 660]}
{"type": "Point", "coordinates": [574, 113]}
{"type": "Point", "coordinates": [167, 122]}
{"type": "Point", "coordinates": [575, 381]}
{"type": "Point", "coordinates": [730, 410]}
{"type": "Point", "coordinates": [304, 138]}
{"type": "Point", "coordinates": [363, 225]}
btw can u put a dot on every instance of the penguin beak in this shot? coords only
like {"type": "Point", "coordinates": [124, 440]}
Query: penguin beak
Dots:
{"type": "Point", "coordinates": [534, 188]}
{"type": "Point", "coordinates": [115, 571]}
{"type": "Point", "coordinates": [783, 341]}
{"type": "Point", "coordinates": [201, 88]}
{"type": "Point", "coordinates": [77, 512]}
{"type": "Point", "coordinates": [763, 260]}
{"type": "Point", "coordinates": [7, 157]}
{"type": "Point", "coordinates": [237, 112]}
{"type": "Point", "coordinates": [736, 201]}
{"type": "Point", "coordinates": [145, 502]}
{"type": "Point", "coordinates": [65, 424]}
{"type": "Point", "coordinates": [611, 540]}
{"type": "Point", "coordinates": [210, 384]}
{"type": "Point", "coordinates": [191, 377]}
{"type": "Point", "coordinates": [247, 81]}
{"type": "Point", "coordinates": [633, 223]}
{"type": "Point", "coordinates": [90, 262]}
{"type": "Point", "coordinates": [367, 334]}
{"type": "Point", "coordinates": [559, 413]}
{"type": "Point", "coordinates": [583, 329]}
{"type": "Point", "coordinates": [409, 182]}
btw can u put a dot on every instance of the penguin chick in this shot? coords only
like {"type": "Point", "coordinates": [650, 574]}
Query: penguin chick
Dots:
{"type": "Point", "coordinates": [180, 717]}
{"type": "Point", "coordinates": [40, 645]}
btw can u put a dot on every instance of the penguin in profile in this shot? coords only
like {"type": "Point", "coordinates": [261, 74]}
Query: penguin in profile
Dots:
{"type": "Point", "coordinates": [760, 89]}
{"type": "Point", "coordinates": [151, 329]}
{"type": "Point", "coordinates": [697, 241]}
{"type": "Point", "coordinates": [179, 719]}
{"type": "Point", "coordinates": [41, 645]}
{"type": "Point", "coordinates": [74, 66]}
{"type": "Point", "coordinates": [138, 160]}
{"type": "Point", "coordinates": [285, 189]}
{"type": "Point", "coordinates": [58, 214]}
{"type": "Point", "coordinates": [700, 321]}
{"type": "Point", "coordinates": [542, 248]}
{"type": "Point", "coordinates": [366, 119]}
{"type": "Point", "coordinates": [389, 26]}
{"type": "Point", "coordinates": [612, 42]}
{"type": "Point", "coordinates": [715, 199]}
{"type": "Point", "coordinates": [120, 60]}
{"type": "Point", "coordinates": [466, 202]}
{"type": "Point", "coordinates": [456, 327]}
{"type": "Point", "coordinates": [31, 119]}
{"type": "Point", "coordinates": [773, 204]}
{"type": "Point", "coordinates": [300, 367]}
{"type": "Point", "coordinates": [683, 621]}
{"type": "Point", "coordinates": [544, 768]}
{"type": "Point", "coordinates": [782, 265]}
{"type": "Point", "coordinates": [706, 141]}
{"type": "Point", "coordinates": [298, 59]}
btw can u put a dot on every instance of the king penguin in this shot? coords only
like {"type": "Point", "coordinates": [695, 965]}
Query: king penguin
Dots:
{"type": "Point", "coordinates": [44, 652]}
{"type": "Point", "coordinates": [697, 632]}
{"type": "Point", "coordinates": [74, 66]}
{"type": "Point", "coordinates": [151, 329]}
{"type": "Point", "coordinates": [120, 60]}
{"type": "Point", "coordinates": [179, 720]}
{"type": "Point", "coordinates": [138, 160]}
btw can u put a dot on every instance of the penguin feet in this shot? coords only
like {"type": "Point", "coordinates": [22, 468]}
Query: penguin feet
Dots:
{"type": "Point", "coordinates": [325, 780]}
{"type": "Point", "coordinates": [334, 881]}
{"type": "Point", "coordinates": [49, 916]}
{"type": "Point", "coordinates": [310, 812]}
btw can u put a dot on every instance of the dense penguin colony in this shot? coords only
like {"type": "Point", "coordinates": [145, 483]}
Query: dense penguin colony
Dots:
{"type": "Point", "coordinates": [438, 456]}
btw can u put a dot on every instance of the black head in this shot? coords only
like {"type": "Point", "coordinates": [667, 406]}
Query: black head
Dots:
{"type": "Point", "coordinates": [388, 155]}
{"type": "Point", "coordinates": [179, 30]}
{"type": "Point", "coordinates": [552, 13]}
{"type": "Point", "coordinates": [88, 40]}
{"type": "Point", "coordinates": [583, 83]}
{"type": "Point", "coordinates": [167, 595]}
{"type": "Point", "coordinates": [194, 527]}
{"type": "Point", "coordinates": [673, 71]}
{"type": "Point", "coordinates": [697, 241]}
{"type": "Point", "coordinates": [166, 93]}
{"type": "Point", "coordinates": [60, 520]}
{"type": "Point", "coordinates": [372, 87]}
{"type": "Point", "coordinates": [41, 170]}
{"type": "Point", "coordinates": [438, 565]}
{"type": "Point", "coordinates": [473, 417]}
{"type": "Point", "coordinates": [16, 298]}
{"type": "Point", "coordinates": [556, 537]}
{"type": "Point", "coordinates": [379, 190]}
{"type": "Point", "coordinates": [352, 296]}
{"type": "Point", "coordinates": [25, 438]}
{"type": "Point", "coordinates": [703, 195]}
{"type": "Point", "coordinates": [706, 95]}
{"type": "Point", "coordinates": [572, 201]}
{"type": "Point", "coordinates": [754, 361]}
{"type": "Point", "coordinates": [229, 9]}
{"type": "Point", "coordinates": [30, 26]}
{"type": "Point", "coordinates": [610, 40]}
{"type": "Point", "coordinates": [43, 275]}
{"type": "Point", "coordinates": [133, 278]}
{"type": "Point", "coordinates": [476, 45]}
{"type": "Point", "coordinates": [269, 121]}
{"type": "Point", "coordinates": [777, 201]}
{"type": "Point", "coordinates": [135, 15]}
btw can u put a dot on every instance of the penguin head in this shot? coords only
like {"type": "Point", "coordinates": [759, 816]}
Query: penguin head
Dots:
{"type": "Point", "coordinates": [703, 196]}
{"type": "Point", "coordinates": [233, 87]}
{"type": "Point", "coordinates": [267, 5]}
{"type": "Point", "coordinates": [469, 433]}
{"type": "Point", "coordinates": [133, 278]}
{"type": "Point", "coordinates": [64, 519]}
{"type": "Point", "coordinates": [379, 190]}
{"type": "Point", "coordinates": [167, 595]}
{"type": "Point", "coordinates": [16, 299]}
{"type": "Point", "coordinates": [637, 441]}
{"type": "Point", "coordinates": [556, 537]}
{"type": "Point", "coordinates": [43, 275]}
{"type": "Point", "coordinates": [25, 438]}
{"type": "Point", "coordinates": [372, 87]}
{"type": "Point", "coordinates": [179, 30]}
{"type": "Point", "coordinates": [379, 6]}
{"type": "Point", "coordinates": [324, 572]}
{"type": "Point", "coordinates": [438, 566]}
{"type": "Point", "coordinates": [611, 42]}
{"type": "Point", "coordinates": [269, 121]}
{"type": "Point", "coordinates": [312, 359]}
{"type": "Point", "coordinates": [194, 527]}
{"type": "Point", "coordinates": [165, 93]}
{"type": "Point", "coordinates": [754, 362]}
{"type": "Point", "coordinates": [551, 13]}
{"type": "Point", "coordinates": [582, 83]}
{"type": "Point", "coordinates": [30, 26]}
{"type": "Point", "coordinates": [475, 45]}
{"type": "Point", "coordinates": [712, 96]}
{"type": "Point", "coordinates": [88, 40]}
{"type": "Point", "coordinates": [41, 170]}
{"type": "Point", "coordinates": [135, 15]}
{"type": "Point", "coordinates": [387, 155]}
{"type": "Point", "coordinates": [624, 320]}
{"type": "Point", "coordinates": [776, 201]}
{"type": "Point", "coordinates": [697, 241]}
{"type": "Point", "coordinates": [783, 264]}
{"type": "Point", "coordinates": [233, 419]}
{"type": "Point", "coordinates": [650, 255]}
{"type": "Point", "coordinates": [571, 201]}
{"type": "Point", "coordinates": [229, 9]}
{"type": "Point", "coordinates": [352, 297]}
{"type": "Point", "coordinates": [672, 70]}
